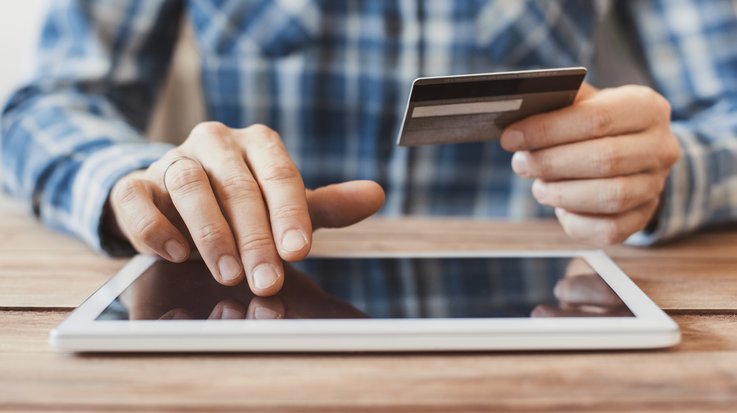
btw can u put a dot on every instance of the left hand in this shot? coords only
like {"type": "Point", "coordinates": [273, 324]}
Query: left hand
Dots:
{"type": "Point", "coordinates": [601, 163]}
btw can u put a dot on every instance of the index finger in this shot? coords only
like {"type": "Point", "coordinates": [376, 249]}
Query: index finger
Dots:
{"type": "Point", "coordinates": [610, 112]}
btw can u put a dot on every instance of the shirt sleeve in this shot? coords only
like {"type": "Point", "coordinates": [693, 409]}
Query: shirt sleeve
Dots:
{"type": "Point", "coordinates": [689, 47]}
{"type": "Point", "coordinates": [75, 126]}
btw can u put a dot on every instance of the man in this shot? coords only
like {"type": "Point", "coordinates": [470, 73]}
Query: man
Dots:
{"type": "Point", "coordinates": [330, 80]}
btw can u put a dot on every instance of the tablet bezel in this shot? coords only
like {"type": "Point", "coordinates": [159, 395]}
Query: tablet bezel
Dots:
{"type": "Point", "coordinates": [649, 328]}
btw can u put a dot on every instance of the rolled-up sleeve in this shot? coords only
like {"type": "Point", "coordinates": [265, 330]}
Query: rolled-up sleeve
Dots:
{"type": "Point", "coordinates": [75, 126]}
{"type": "Point", "coordinates": [689, 46]}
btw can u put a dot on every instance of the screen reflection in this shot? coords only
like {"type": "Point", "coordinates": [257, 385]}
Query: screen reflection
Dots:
{"type": "Point", "coordinates": [327, 288]}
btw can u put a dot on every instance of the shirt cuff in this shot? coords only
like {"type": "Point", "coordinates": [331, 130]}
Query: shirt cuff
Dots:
{"type": "Point", "coordinates": [92, 186]}
{"type": "Point", "coordinates": [670, 219]}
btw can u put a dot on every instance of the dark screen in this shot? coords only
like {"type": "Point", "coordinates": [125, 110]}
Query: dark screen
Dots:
{"type": "Point", "coordinates": [328, 288]}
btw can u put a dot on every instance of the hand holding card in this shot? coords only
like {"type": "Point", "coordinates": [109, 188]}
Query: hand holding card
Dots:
{"type": "Point", "coordinates": [473, 108]}
{"type": "Point", "coordinates": [602, 163]}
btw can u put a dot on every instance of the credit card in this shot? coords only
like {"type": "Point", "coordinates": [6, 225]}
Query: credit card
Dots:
{"type": "Point", "coordinates": [474, 108]}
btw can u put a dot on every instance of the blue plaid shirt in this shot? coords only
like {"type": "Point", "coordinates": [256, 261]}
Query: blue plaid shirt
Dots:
{"type": "Point", "coordinates": [333, 77]}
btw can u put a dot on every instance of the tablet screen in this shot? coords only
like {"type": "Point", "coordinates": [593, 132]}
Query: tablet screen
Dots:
{"type": "Point", "coordinates": [327, 288]}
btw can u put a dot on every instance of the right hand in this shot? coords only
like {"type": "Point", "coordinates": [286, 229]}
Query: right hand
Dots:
{"type": "Point", "coordinates": [168, 293]}
{"type": "Point", "coordinates": [583, 293]}
{"type": "Point", "coordinates": [236, 195]}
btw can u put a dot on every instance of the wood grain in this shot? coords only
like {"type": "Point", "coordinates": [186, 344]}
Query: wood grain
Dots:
{"type": "Point", "coordinates": [701, 372]}
{"type": "Point", "coordinates": [674, 284]}
{"type": "Point", "coordinates": [695, 279]}
{"type": "Point", "coordinates": [693, 284]}
{"type": "Point", "coordinates": [63, 278]}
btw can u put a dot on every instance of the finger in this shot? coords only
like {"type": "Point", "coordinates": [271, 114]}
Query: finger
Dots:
{"type": "Point", "coordinates": [610, 112]}
{"type": "Point", "coordinates": [190, 191]}
{"type": "Point", "coordinates": [282, 188]}
{"type": "Point", "coordinates": [344, 204]}
{"type": "Point", "coordinates": [577, 266]}
{"type": "Point", "coordinates": [586, 289]}
{"type": "Point", "coordinates": [163, 202]}
{"type": "Point", "coordinates": [176, 314]}
{"type": "Point", "coordinates": [606, 229]}
{"type": "Point", "coordinates": [242, 203]}
{"type": "Point", "coordinates": [547, 311]}
{"type": "Point", "coordinates": [597, 158]}
{"type": "Point", "coordinates": [599, 196]}
{"type": "Point", "coordinates": [228, 310]}
{"type": "Point", "coordinates": [143, 223]}
{"type": "Point", "coordinates": [265, 308]}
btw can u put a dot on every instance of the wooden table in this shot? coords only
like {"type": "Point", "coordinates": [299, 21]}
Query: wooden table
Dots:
{"type": "Point", "coordinates": [44, 275]}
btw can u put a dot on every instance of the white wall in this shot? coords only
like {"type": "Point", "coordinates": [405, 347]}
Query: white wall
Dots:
{"type": "Point", "coordinates": [177, 112]}
{"type": "Point", "coordinates": [20, 24]}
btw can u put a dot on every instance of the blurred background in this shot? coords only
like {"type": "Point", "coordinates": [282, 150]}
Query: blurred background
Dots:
{"type": "Point", "coordinates": [179, 108]}
{"type": "Point", "coordinates": [20, 22]}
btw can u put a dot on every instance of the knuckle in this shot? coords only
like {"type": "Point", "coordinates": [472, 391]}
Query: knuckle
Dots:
{"type": "Point", "coordinates": [255, 241]}
{"type": "Point", "coordinates": [212, 234]}
{"type": "Point", "coordinates": [214, 135]}
{"type": "Point", "coordinates": [608, 160]}
{"type": "Point", "coordinates": [279, 172]}
{"type": "Point", "coordinates": [617, 197]}
{"type": "Point", "coordinates": [185, 177]}
{"type": "Point", "coordinates": [266, 139]}
{"type": "Point", "coordinates": [639, 92]}
{"type": "Point", "coordinates": [211, 129]}
{"type": "Point", "coordinates": [647, 94]}
{"type": "Point", "coordinates": [290, 212]}
{"type": "Point", "coordinates": [663, 104]}
{"type": "Point", "coordinates": [262, 130]}
{"type": "Point", "coordinates": [671, 154]}
{"type": "Point", "coordinates": [600, 120]}
{"type": "Point", "coordinates": [126, 190]}
{"type": "Point", "coordinates": [239, 187]}
{"type": "Point", "coordinates": [655, 187]}
{"type": "Point", "coordinates": [148, 230]}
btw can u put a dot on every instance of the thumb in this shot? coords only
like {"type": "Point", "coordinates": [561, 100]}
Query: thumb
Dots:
{"type": "Point", "coordinates": [344, 204]}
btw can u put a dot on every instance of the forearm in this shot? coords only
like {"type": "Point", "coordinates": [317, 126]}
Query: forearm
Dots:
{"type": "Point", "coordinates": [62, 152]}
{"type": "Point", "coordinates": [76, 127]}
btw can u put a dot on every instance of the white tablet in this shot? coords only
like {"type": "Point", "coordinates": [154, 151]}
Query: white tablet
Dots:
{"type": "Point", "coordinates": [398, 302]}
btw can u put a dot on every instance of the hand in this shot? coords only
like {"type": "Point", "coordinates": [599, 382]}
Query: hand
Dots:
{"type": "Point", "coordinates": [583, 293]}
{"type": "Point", "coordinates": [602, 162]}
{"type": "Point", "coordinates": [238, 197]}
{"type": "Point", "coordinates": [170, 291]}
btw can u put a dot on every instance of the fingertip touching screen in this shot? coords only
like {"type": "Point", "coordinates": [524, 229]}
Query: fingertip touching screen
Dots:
{"type": "Point", "coordinates": [387, 288]}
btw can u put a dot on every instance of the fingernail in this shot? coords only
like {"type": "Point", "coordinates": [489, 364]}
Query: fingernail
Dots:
{"type": "Point", "coordinates": [513, 139]}
{"type": "Point", "coordinates": [293, 241]}
{"type": "Point", "coordinates": [229, 268]}
{"type": "Point", "coordinates": [264, 276]}
{"type": "Point", "coordinates": [263, 313]}
{"type": "Point", "coordinates": [175, 250]}
{"type": "Point", "coordinates": [560, 213]}
{"type": "Point", "coordinates": [232, 313]}
{"type": "Point", "coordinates": [520, 162]}
{"type": "Point", "coordinates": [538, 189]}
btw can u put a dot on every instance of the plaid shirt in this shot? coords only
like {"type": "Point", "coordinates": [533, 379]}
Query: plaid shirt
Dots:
{"type": "Point", "coordinates": [333, 77]}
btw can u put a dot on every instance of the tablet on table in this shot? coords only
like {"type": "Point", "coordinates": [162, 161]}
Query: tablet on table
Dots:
{"type": "Point", "coordinates": [386, 302]}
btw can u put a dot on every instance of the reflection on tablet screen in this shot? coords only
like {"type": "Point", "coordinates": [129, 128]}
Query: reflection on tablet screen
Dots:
{"type": "Point", "coordinates": [378, 288]}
